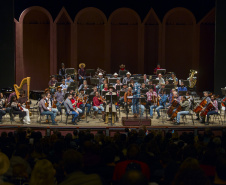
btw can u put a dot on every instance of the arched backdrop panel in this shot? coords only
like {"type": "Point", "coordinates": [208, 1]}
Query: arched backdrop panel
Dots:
{"type": "Point", "coordinates": [91, 38]}
{"type": "Point", "coordinates": [124, 39]}
{"type": "Point", "coordinates": [36, 48]}
{"type": "Point", "coordinates": [179, 41]}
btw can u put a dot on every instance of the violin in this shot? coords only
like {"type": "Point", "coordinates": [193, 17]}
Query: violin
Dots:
{"type": "Point", "coordinates": [21, 108]}
{"type": "Point", "coordinates": [46, 104]}
{"type": "Point", "coordinates": [223, 102]}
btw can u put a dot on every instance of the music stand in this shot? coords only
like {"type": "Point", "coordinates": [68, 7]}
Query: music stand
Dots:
{"type": "Point", "coordinates": [170, 81]}
{"type": "Point", "coordinates": [122, 93]}
{"type": "Point", "coordinates": [168, 90]}
{"type": "Point", "coordinates": [91, 98]}
{"type": "Point", "coordinates": [70, 71]}
{"type": "Point", "coordinates": [112, 80]}
{"type": "Point", "coordinates": [103, 93]}
{"type": "Point", "coordinates": [182, 93]}
{"type": "Point", "coordinates": [114, 97]}
{"type": "Point", "coordinates": [141, 80]}
{"type": "Point", "coordinates": [186, 83]}
{"type": "Point", "coordinates": [144, 91]}
{"type": "Point", "coordinates": [118, 87]}
{"type": "Point", "coordinates": [223, 91]}
{"type": "Point", "coordinates": [170, 86]}
{"type": "Point", "coordinates": [90, 72]}
{"type": "Point", "coordinates": [94, 81]}
{"type": "Point", "coordinates": [156, 82]}
{"type": "Point", "coordinates": [122, 73]}
{"type": "Point", "coordinates": [162, 71]}
{"type": "Point", "coordinates": [58, 84]}
{"type": "Point", "coordinates": [88, 91]}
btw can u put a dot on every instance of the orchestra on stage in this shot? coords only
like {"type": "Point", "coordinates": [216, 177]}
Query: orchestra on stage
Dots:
{"type": "Point", "coordinates": [86, 93]}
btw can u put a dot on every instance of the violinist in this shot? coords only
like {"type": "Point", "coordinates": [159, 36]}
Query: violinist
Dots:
{"type": "Point", "coordinates": [59, 95]}
{"type": "Point", "coordinates": [84, 99]}
{"type": "Point", "coordinates": [128, 101]}
{"type": "Point", "coordinates": [151, 97]}
{"type": "Point", "coordinates": [159, 105]}
{"type": "Point", "coordinates": [63, 86]}
{"type": "Point", "coordinates": [150, 84]}
{"type": "Point", "coordinates": [82, 85]}
{"type": "Point", "coordinates": [94, 91]}
{"type": "Point", "coordinates": [207, 98]}
{"type": "Point", "coordinates": [98, 105]}
{"type": "Point", "coordinates": [110, 106]}
{"type": "Point", "coordinates": [50, 106]}
{"type": "Point", "coordinates": [185, 105]}
{"type": "Point", "coordinates": [4, 106]}
{"type": "Point", "coordinates": [74, 101]}
{"type": "Point", "coordinates": [68, 80]}
{"type": "Point", "coordinates": [70, 109]}
{"type": "Point", "coordinates": [212, 111]}
{"type": "Point", "coordinates": [22, 101]}
{"type": "Point", "coordinates": [46, 111]}
{"type": "Point", "coordinates": [17, 109]}
{"type": "Point", "coordinates": [52, 84]}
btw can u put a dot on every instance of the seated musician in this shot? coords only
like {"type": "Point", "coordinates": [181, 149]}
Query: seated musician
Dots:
{"type": "Point", "coordinates": [161, 81]}
{"type": "Point", "coordinates": [127, 79]}
{"type": "Point", "coordinates": [128, 101]}
{"type": "Point", "coordinates": [50, 102]}
{"type": "Point", "coordinates": [83, 104]}
{"type": "Point", "coordinates": [122, 69]}
{"type": "Point", "coordinates": [174, 78]}
{"type": "Point", "coordinates": [70, 109]}
{"type": "Point", "coordinates": [110, 106]}
{"type": "Point", "coordinates": [52, 84]}
{"type": "Point", "coordinates": [146, 79]}
{"type": "Point", "coordinates": [157, 67]}
{"type": "Point", "coordinates": [151, 97]}
{"type": "Point", "coordinates": [81, 72]}
{"type": "Point", "coordinates": [68, 80]}
{"type": "Point", "coordinates": [82, 85]}
{"type": "Point", "coordinates": [45, 111]}
{"type": "Point", "coordinates": [171, 97]}
{"type": "Point", "coordinates": [150, 84]}
{"type": "Point", "coordinates": [207, 98]}
{"type": "Point", "coordinates": [162, 101]}
{"type": "Point", "coordinates": [74, 101]}
{"type": "Point", "coordinates": [117, 83]}
{"type": "Point", "coordinates": [85, 89]}
{"type": "Point", "coordinates": [94, 91]}
{"type": "Point", "coordinates": [185, 105]}
{"type": "Point", "coordinates": [101, 79]}
{"type": "Point", "coordinates": [63, 86]}
{"type": "Point", "coordinates": [162, 88]}
{"type": "Point", "coordinates": [105, 88]}
{"type": "Point", "coordinates": [4, 106]}
{"type": "Point", "coordinates": [115, 75]}
{"type": "Point", "coordinates": [212, 111]}
{"type": "Point", "coordinates": [59, 96]}
{"type": "Point", "coordinates": [182, 87]}
{"type": "Point", "coordinates": [121, 98]}
{"type": "Point", "coordinates": [22, 101]}
{"type": "Point", "coordinates": [143, 87]}
{"type": "Point", "coordinates": [98, 105]}
{"type": "Point", "coordinates": [102, 86]}
{"type": "Point", "coordinates": [62, 71]}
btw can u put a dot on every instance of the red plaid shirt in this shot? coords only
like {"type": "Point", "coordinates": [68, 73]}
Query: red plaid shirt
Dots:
{"type": "Point", "coordinates": [149, 95]}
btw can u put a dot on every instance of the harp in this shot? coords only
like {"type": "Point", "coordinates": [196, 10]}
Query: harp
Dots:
{"type": "Point", "coordinates": [18, 88]}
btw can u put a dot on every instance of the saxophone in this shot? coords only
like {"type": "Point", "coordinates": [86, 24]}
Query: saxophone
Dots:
{"type": "Point", "coordinates": [192, 79]}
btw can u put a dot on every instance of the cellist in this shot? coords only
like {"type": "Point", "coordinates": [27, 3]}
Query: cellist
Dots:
{"type": "Point", "coordinates": [207, 98]}
{"type": "Point", "coordinates": [185, 105]}
{"type": "Point", "coordinates": [212, 111]}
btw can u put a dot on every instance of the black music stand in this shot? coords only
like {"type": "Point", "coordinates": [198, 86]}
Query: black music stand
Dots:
{"type": "Point", "coordinates": [182, 93]}
{"type": "Point", "coordinates": [88, 91]}
{"type": "Point", "coordinates": [112, 80]}
{"type": "Point", "coordinates": [111, 98]}
{"type": "Point", "coordinates": [186, 83]}
{"type": "Point", "coordinates": [156, 82]}
{"type": "Point", "coordinates": [90, 72]}
{"type": "Point", "coordinates": [170, 86]}
{"type": "Point", "coordinates": [223, 91]}
{"type": "Point", "coordinates": [144, 91]}
{"type": "Point", "coordinates": [118, 87]}
{"type": "Point", "coordinates": [168, 90]}
{"type": "Point", "coordinates": [141, 80]}
{"type": "Point", "coordinates": [103, 93]}
{"type": "Point", "coordinates": [122, 93]}
{"type": "Point", "coordinates": [122, 73]}
{"type": "Point", "coordinates": [162, 71]}
{"type": "Point", "coordinates": [94, 81]}
{"type": "Point", "coordinates": [58, 84]}
{"type": "Point", "coordinates": [70, 71]}
{"type": "Point", "coordinates": [170, 81]}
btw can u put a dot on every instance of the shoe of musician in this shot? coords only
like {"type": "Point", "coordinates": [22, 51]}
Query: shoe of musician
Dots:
{"type": "Point", "coordinates": [197, 119]}
{"type": "Point", "coordinates": [47, 121]}
{"type": "Point", "coordinates": [135, 115]}
{"type": "Point", "coordinates": [157, 117]}
{"type": "Point", "coordinates": [83, 117]}
{"type": "Point", "coordinates": [176, 123]}
{"type": "Point", "coordinates": [75, 123]}
{"type": "Point", "coordinates": [54, 124]}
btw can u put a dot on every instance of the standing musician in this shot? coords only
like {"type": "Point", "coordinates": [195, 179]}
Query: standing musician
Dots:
{"type": "Point", "coordinates": [185, 105]}
{"type": "Point", "coordinates": [207, 98]}
{"type": "Point", "coordinates": [212, 111]}
{"type": "Point", "coordinates": [17, 109]}
{"type": "Point", "coordinates": [122, 69]}
{"type": "Point", "coordinates": [157, 67]}
{"type": "Point", "coordinates": [70, 109]}
{"type": "Point", "coordinates": [62, 71]}
{"type": "Point", "coordinates": [135, 101]}
{"type": "Point", "coordinates": [98, 105]}
{"type": "Point", "coordinates": [127, 79]}
{"type": "Point", "coordinates": [4, 106]}
{"type": "Point", "coordinates": [52, 84]}
{"type": "Point", "coordinates": [46, 111]}
{"type": "Point", "coordinates": [110, 108]}
{"type": "Point", "coordinates": [151, 97]}
{"type": "Point", "coordinates": [22, 101]}
{"type": "Point", "coordinates": [81, 72]}
{"type": "Point", "coordinates": [159, 105]}
{"type": "Point", "coordinates": [83, 102]}
{"type": "Point", "coordinates": [50, 106]}
{"type": "Point", "coordinates": [59, 96]}
{"type": "Point", "coordinates": [128, 101]}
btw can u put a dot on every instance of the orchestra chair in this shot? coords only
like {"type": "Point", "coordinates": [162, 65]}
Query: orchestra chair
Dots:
{"type": "Point", "coordinates": [216, 117]}
{"type": "Point", "coordinates": [40, 116]}
{"type": "Point", "coordinates": [67, 115]}
{"type": "Point", "coordinates": [184, 118]}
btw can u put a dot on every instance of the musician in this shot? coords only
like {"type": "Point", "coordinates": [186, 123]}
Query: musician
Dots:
{"type": "Point", "coordinates": [135, 101]}
{"type": "Point", "coordinates": [143, 87]}
{"type": "Point", "coordinates": [174, 78]}
{"type": "Point", "coordinates": [171, 97]}
{"type": "Point", "coordinates": [101, 79]}
{"type": "Point", "coordinates": [84, 103]}
{"type": "Point", "coordinates": [94, 91]}
{"type": "Point", "coordinates": [52, 84]}
{"type": "Point", "coordinates": [162, 88]}
{"type": "Point", "coordinates": [182, 87]}
{"type": "Point", "coordinates": [115, 75]}
{"type": "Point", "coordinates": [162, 101]}
{"type": "Point", "coordinates": [68, 80]}
{"type": "Point", "coordinates": [122, 69]}
{"type": "Point", "coordinates": [213, 111]}
{"type": "Point", "coordinates": [74, 101]}
{"type": "Point", "coordinates": [2, 113]}
{"type": "Point", "coordinates": [70, 109]}
{"type": "Point", "coordinates": [145, 79]}
{"type": "Point", "coordinates": [128, 101]}
{"type": "Point", "coordinates": [151, 85]}
{"type": "Point", "coordinates": [157, 67]}
{"type": "Point", "coordinates": [110, 108]}
{"type": "Point", "coordinates": [63, 86]}
{"type": "Point", "coordinates": [50, 104]}
{"type": "Point", "coordinates": [151, 97]}
{"type": "Point", "coordinates": [206, 96]}
{"type": "Point", "coordinates": [46, 111]}
{"type": "Point", "coordinates": [104, 89]}
{"type": "Point", "coordinates": [85, 89]}
{"type": "Point", "coordinates": [59, 95]}
{"type": "Point", "coordinates": [185, 105]}
{"type": "Point", "coordinates": [117, 83]}
{"type": "Point", "coordinates": [82, 85]}
{"type": "Point", "coordinates": [22, 101]}
{"type": "Point", "coordinates": [98, 105]}
{"type": "Point", "coordinates": [161, 81]}
{"type": "Point", "coordinates": [62, 71]}
{"type": "Point", "coordinates": [102, 86]}
{"type": "Point", "coordinates": [127, 79]}
{"type": "Point", "coordinates": [4, 106]}
{"type": "Point", "coordinates": [81, 72]}
{"type": "Point", "coordinates": [10, 96]}
{"type": "Point", "coordinates": [16, 109]}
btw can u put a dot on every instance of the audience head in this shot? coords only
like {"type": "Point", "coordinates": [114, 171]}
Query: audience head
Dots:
{"type": "Point", "coordinates": [133, 152]}
{"type": "Point", "coordinates": [133, 177]}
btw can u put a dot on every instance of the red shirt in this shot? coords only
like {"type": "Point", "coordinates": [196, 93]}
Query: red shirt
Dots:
{"type": "Point", "coordinates": [120, 169]}
{"type": "Point", "coordinates": [96, 102]}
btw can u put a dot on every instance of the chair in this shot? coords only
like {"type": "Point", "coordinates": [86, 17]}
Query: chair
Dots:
{"type": "Point", "coordinates": [184, 117]}
{"type": "Point", "coordinates": [216, 117]}
{"type": "Point", "coordinates": [40, 116]}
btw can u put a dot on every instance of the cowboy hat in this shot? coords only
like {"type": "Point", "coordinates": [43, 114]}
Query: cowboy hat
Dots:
{"type": "Point", "coordinates": [59, 87]}
{"type": "Point", "coordinates": [115, 74]}
{"type": "Point", "coordinates": [82, 64]}
{"type": "Point", "coordinates": [122, 66]}
{"type": "Point", "coordinates": [100, 74]}
{"type": "Point", "coordinates": [128, 73]}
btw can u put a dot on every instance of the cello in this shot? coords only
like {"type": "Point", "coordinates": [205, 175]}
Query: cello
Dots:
{"type": "Point", "coordinates": [202, 104]}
